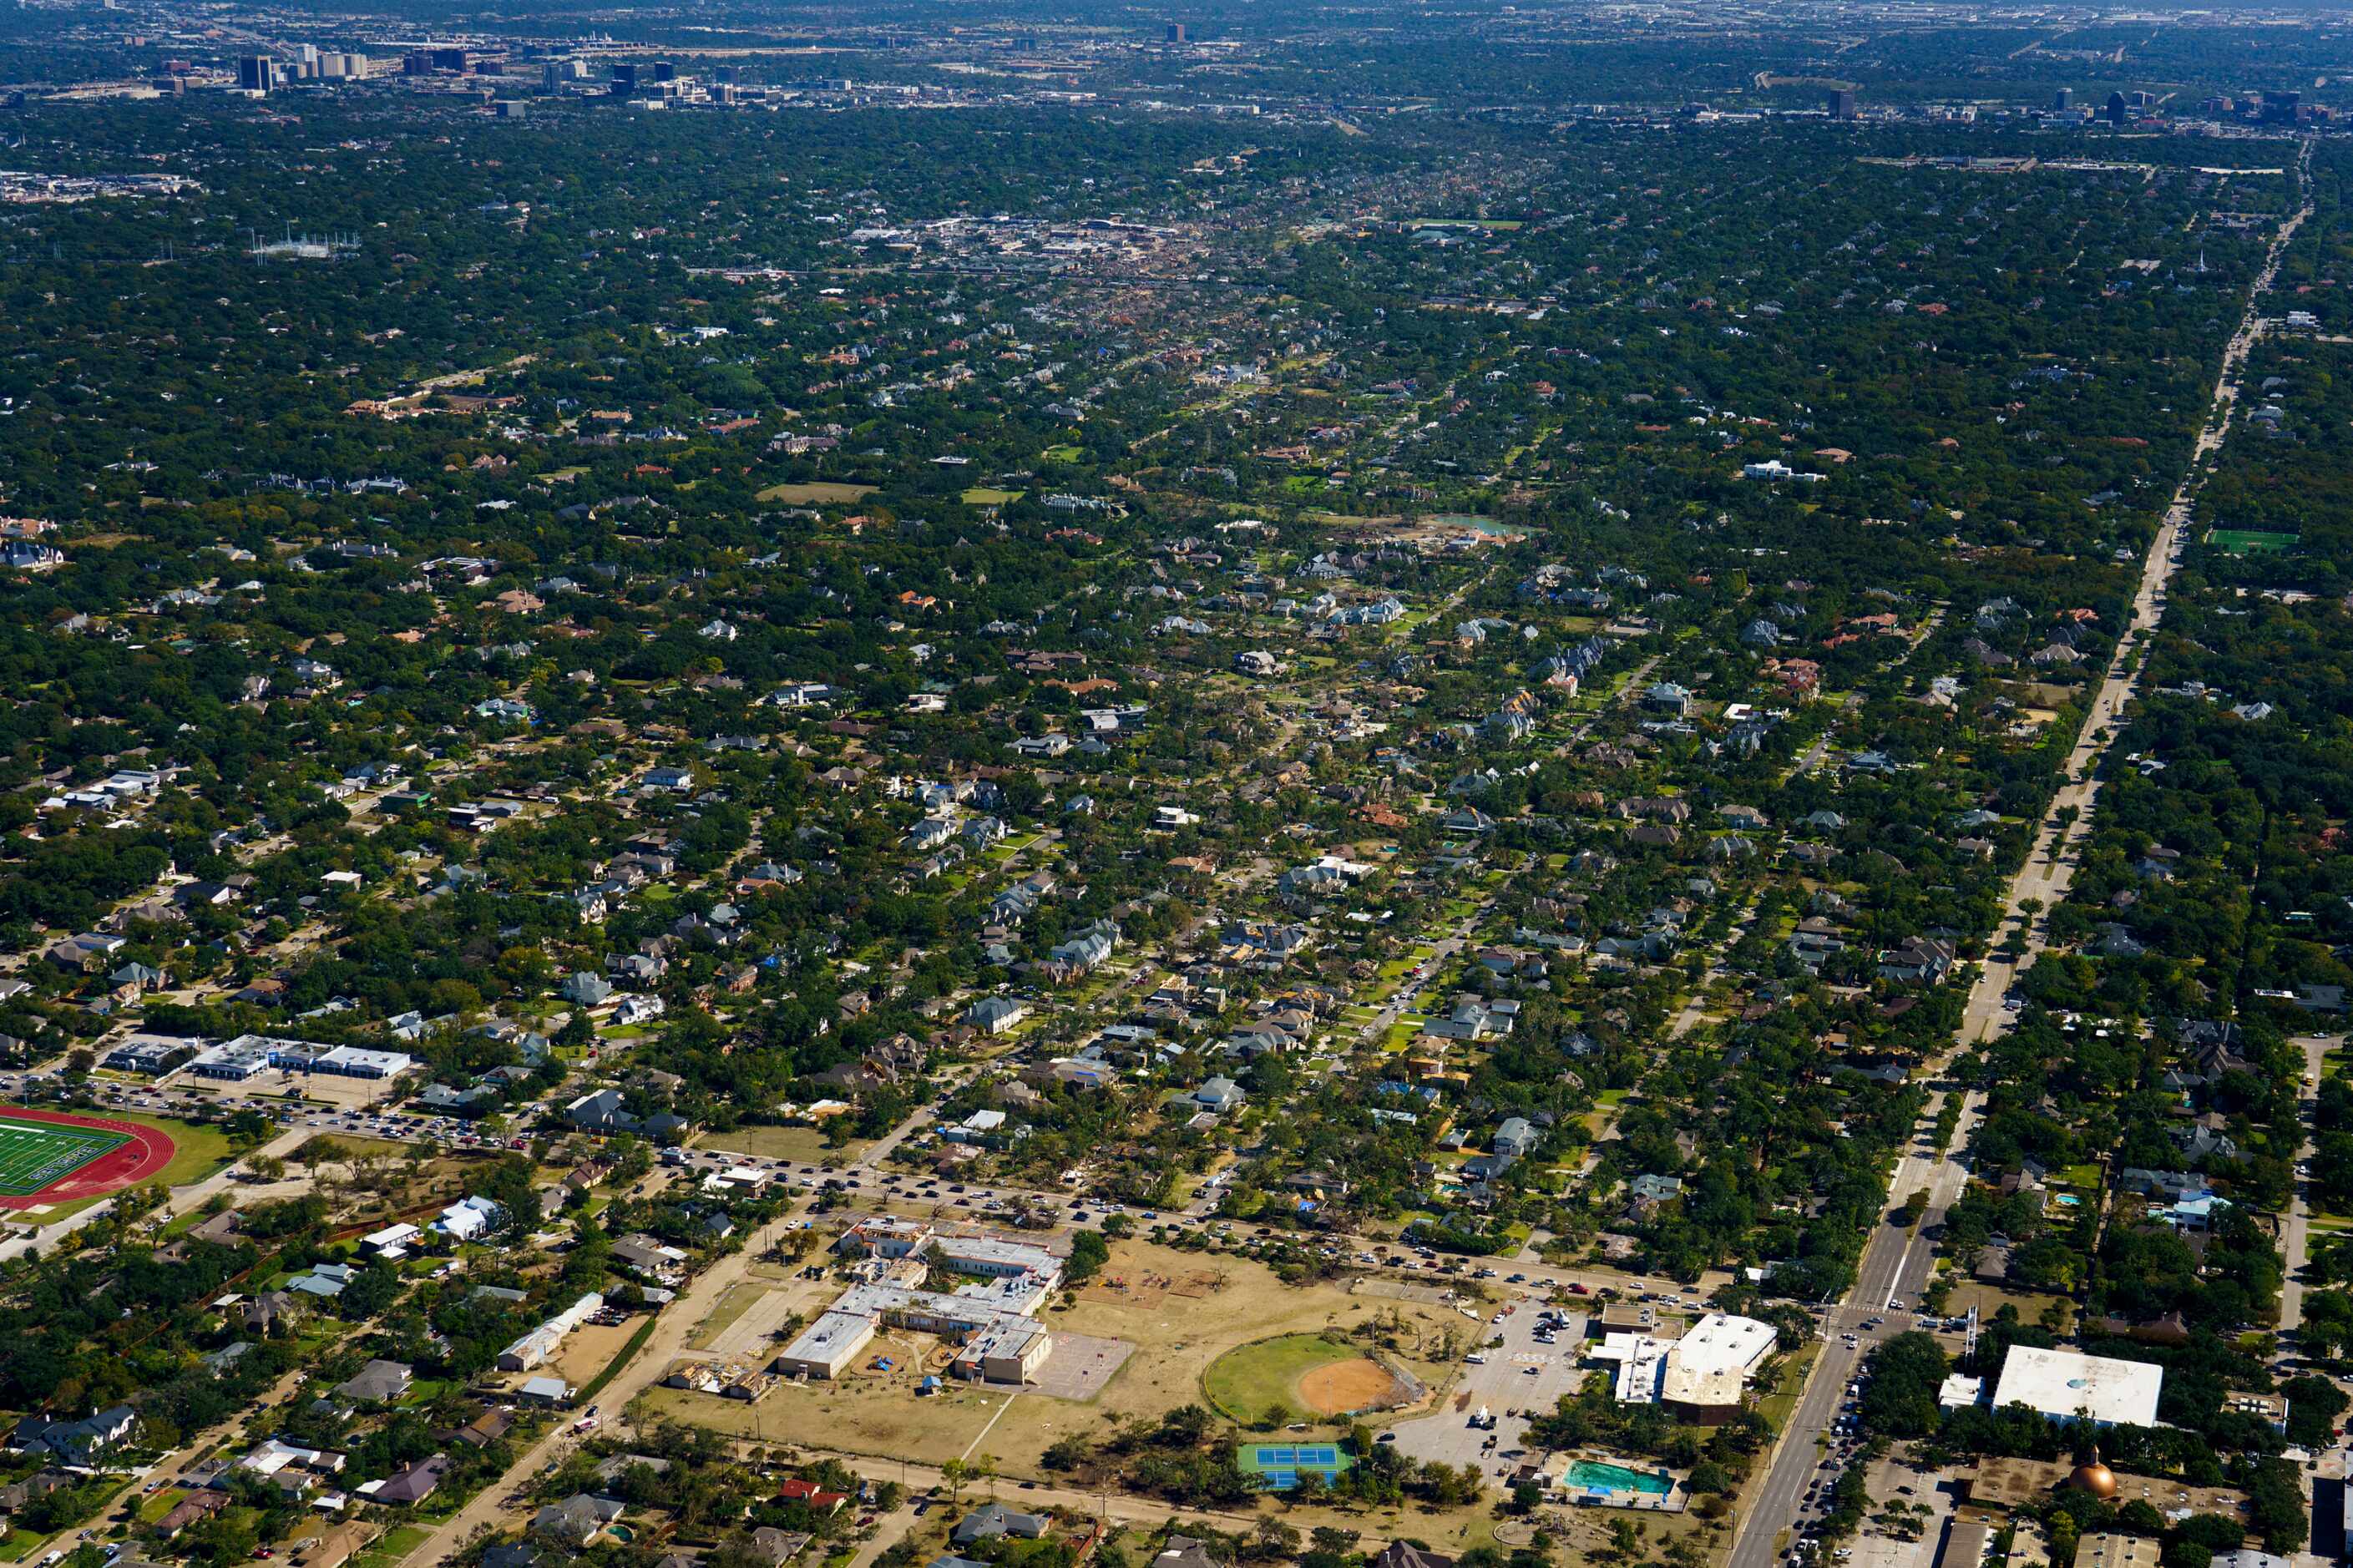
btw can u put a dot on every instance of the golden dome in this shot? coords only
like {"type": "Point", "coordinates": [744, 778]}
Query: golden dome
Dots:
{"type": "Point", "coordinates": [2093, 1477]}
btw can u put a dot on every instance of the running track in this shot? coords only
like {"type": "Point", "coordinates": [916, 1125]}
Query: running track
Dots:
{"type": "Point", "coordinates": [139, 1160]}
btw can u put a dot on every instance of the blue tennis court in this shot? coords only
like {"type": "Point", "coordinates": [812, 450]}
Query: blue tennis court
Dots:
{"type": "Point", "coordinates": [1278, 1466]}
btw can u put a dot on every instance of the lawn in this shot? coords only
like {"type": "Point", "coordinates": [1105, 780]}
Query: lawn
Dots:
{"type": "Point", "coordinates": [1064, 454]}
{"type": "Point", "coordinates": [1402, 1032]}
{"type": "Point", "coordinates": [1396, 968]}
{"type": "Point", "coordinates": [198, 1152]}
{"type": "Point", "coordinates": [1250, 1381]}
{"type": "Point", "coordinates": [1782, 1403]}
{"type": "Point", "coordinates": [201, 1150]}
{"type": "Point", "coordinates": [985, 495]}
{"type": "Point", "coordinates": [732, 1305]}
{"type": "Point", "coordinates": [392, 1547]}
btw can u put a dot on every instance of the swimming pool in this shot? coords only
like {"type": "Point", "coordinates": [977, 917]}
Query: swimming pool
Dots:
{"type": "Point", "coordinates": [1593, 1474]}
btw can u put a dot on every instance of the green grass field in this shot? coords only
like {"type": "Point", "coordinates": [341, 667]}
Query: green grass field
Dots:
{"type": "Point", "coordinates": [2250, 540]}
{"type": "Point", "coordinates": [1249, 1380]}
{"type": "Point", "coordinates": [35, 1154]}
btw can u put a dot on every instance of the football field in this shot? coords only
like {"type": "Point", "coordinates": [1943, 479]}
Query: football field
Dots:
{"type": "Point", "coordinates": [35, 1154]}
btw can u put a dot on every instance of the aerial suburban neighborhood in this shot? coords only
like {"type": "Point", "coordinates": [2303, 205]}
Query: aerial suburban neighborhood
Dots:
{"type": "Point", "coordinates": [1030, 784]}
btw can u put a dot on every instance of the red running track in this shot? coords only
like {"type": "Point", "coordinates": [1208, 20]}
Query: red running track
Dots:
{"type": "Point", "coordinates": [143, 1158]}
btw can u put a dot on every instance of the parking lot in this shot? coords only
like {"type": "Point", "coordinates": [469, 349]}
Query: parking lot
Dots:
{"type": "Point", "coordinates": [1899, 1490]}
{"type": "Point", "coordinates": [1521, 1375]}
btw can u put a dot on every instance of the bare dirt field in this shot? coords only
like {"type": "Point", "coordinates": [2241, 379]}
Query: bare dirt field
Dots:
{"type": "Point", "coordinates": [1347, 1387]}
{"type": "Point", "coordinates": [803, 1145]}
{"type": "Point", "coordinates": [878, 1417]}
{"type": "Point", "coordinates": [584, 1354]}
{"type": "Point", "coordinates": [816, 494]}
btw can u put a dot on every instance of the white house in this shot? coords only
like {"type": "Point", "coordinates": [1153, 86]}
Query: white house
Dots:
{"type": "Point", "coordinates": [468, 1218]}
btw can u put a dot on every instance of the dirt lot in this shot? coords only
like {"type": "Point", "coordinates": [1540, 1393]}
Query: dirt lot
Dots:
{"type": "Point", "coordinates": [880, 1417]}
{"type": "Point", "coordinates": [818, 494]}
{"type": "Point", "coordinates": [802, 1145]}
{"type": "Point", "coordinates": [583, 1355]}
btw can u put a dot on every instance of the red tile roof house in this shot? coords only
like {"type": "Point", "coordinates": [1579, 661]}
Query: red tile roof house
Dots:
{"type": "Point", "coordinates": [818, 1499]}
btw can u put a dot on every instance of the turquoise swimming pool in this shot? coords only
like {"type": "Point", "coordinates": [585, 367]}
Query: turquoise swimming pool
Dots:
{"type": "Point", "coordinates": [1593, 1474]}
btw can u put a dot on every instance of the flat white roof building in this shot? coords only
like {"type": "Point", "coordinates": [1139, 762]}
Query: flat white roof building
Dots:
{"type": "Point", "coordinates": [1706, 1373]}
{"type": "Point", "coordinates": [355, 1061]}
{"type": "Point", "coordinates": [1711, 1366]}
{"type": "Point", "coordinates": [2067, 1385]}
{"type": "Point", "coordinates": [236, 1059]}
{"type": "Point", "coordinates": [1960, 1392]}
{"type": "Point", "coordinates": [827, 1346]}
{"type": "Point", "coordinates": [392, 1241]}
{"type": "Point", "coordinates": [1642, 1361]}
{"type": "Point", "coordinates": [989, 1315]}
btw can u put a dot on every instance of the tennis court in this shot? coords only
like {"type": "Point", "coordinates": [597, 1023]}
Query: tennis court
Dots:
{"type": "Point", "coordinates": [1278, 1466]}
{"type": "Point", "coordinates": [33, 1154]}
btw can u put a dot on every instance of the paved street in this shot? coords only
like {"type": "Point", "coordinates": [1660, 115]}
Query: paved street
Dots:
{"type": "Point", "coordinates": [1895, 1264]}
{"type": "Point", "coordinates": [2295, 1226]}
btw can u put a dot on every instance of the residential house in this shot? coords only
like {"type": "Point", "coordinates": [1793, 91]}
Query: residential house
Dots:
{"type": "Point", "coordinates": [575, 1521]}
{"type": "Point", "coordinates": [994, 1520]}
{"type": "Point", "coordinates": [83, 1442]}
{"type": "Point", "coordinates": [378, 1382]}
{"type": "Point", "coordinates": [411, 1483]}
